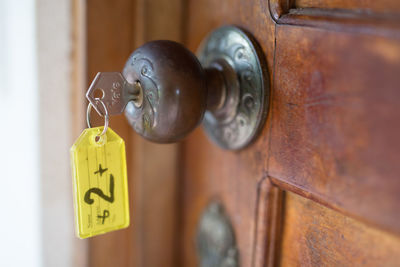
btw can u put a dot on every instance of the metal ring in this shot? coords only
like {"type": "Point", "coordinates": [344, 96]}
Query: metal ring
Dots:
{"type": "Point", "coordinates": [106, 117]}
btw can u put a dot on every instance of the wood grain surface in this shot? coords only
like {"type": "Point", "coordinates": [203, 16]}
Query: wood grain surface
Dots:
{"type": "Point", "coordinates": [114, 30]}
{"type": "Point", "coordinates": [209, 172]}
{"type": "Point", "coordinates": [335, 120]}
{"type": "Point", "coordinates": [268, 220]}
{"type": "Point", "coordinates": [109, 43]}
{"type": "Point", "coordinates": [154, 167]}
{"type": "Point", "coordinates": [314, 235]}
{"type": "Point", "coordinates": [332, 132]}
{"type": "Point", "coordinates": [363, 6]}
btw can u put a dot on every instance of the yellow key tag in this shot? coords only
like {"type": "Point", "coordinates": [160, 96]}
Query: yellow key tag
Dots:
{"type": "Point", "coordinates": [100, 183]}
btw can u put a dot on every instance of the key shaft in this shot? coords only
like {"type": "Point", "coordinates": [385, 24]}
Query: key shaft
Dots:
{"type": "Point", "coordinates": [115, 92]}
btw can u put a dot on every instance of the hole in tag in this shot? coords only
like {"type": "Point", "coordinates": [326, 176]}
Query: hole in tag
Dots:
{"type": "Point", "coordinates": [98, 93]}
{"type": "Point", "coordinates": [99, 139]}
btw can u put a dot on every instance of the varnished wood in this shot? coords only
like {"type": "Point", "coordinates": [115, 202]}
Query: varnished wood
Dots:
{"type": "Point", "coordinates": [277, 8]}
{"type": "Point", "coordinates": [266, 249]}
{"type": "Point", "coordinates": [155, 201]}
{"type": "Point", "coordinates": [348, 124]}
{"type": "Point", "coordinates": [363, 6]}
{"type": "Point", "coordinates": [334, 127]}
{"type": "Point", "coordinates": [331, 138]}
{"type": "Point", "coordinates": [208, 176]}
{"type": "Point", "coordinates": [209, 172]}
{"type": "Point", "coordinates": [314, 235]}
{"type": "Point", "coordinates": [155, 166]}
{"type": "Point", "coordinates": [109, 43]}
{"type": "Point", "coordinates": [115, 29]}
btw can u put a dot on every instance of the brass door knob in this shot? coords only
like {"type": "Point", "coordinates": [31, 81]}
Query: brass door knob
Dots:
{"type": "Point", "coordinates": [227, 85]}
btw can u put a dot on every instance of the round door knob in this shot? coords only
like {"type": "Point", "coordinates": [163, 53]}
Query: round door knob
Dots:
{"type": "Point", "coordinates": [225, 85]}
{"type": "Point", "coordinates": [174, 91]}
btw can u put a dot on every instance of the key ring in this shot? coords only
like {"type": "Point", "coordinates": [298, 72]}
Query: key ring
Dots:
{"type": "Point", "coordinates": [106, 117]}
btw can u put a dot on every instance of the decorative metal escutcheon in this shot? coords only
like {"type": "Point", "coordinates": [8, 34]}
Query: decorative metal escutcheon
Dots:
{"type": "Point", "coordinates": [234, 53]}
{"type": "Point", "coordinates": [226, 87]}
{"type": "Point", "coordinates": [215, 240]}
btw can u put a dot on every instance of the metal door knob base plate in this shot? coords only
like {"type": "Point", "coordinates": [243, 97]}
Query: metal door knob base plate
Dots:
{"type": "Point", "coordinates": [238, 122]}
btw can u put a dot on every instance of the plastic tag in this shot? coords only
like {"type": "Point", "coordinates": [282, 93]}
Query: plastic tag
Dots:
{"type": "Point", "coordinates": [100, 183]}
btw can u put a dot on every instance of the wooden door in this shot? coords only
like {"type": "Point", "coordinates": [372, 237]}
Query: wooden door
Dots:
{"type": "Point", "coordinates": [320, 185]}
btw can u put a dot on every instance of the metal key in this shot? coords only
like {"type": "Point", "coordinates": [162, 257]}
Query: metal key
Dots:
{"type": "Point", "coordinates": [117, 92]}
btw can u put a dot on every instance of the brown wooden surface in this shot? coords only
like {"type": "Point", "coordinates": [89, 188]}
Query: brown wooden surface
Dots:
{"type": "Point", "coordinates": [109, 43]}
{"type": "Point", "coordinates": [362, 6]}
{"type": "Point", "coordinates": [207, 176]}
{"type": "Point", "coordinates": [155, 166]}
{"type": "Point", "coordinates": [267, 235]}
{"type": "Point", "coordinates": [335, 120]}
{"type": "Point", "coordinates": [114, 29]}
{"type": "Point", "coordinates": [209, 172]}
{"type": "Point", "coordinates": [331, 136]}
{"type": "Point", "coordinates": [314, 235]}
{"type": "Point", "coordinates": [335, 143]}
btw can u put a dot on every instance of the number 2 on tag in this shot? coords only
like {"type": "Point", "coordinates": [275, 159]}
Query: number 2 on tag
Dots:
{"type": "Point", "coordinates": [100, 183]}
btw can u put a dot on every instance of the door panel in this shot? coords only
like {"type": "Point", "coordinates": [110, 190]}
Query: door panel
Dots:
{"type": "Point", "coordinates": [335, 111]}
{"type": "Point", "coordinates": [314, 235]}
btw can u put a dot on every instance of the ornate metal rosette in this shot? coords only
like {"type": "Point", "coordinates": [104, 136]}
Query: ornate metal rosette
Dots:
{"type": "Point", "coordinates": [215, 239]}
{"type": "Point", "coordinates": [245, 110]}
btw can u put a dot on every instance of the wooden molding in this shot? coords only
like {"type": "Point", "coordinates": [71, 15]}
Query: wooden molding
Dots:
{"type": "Point", "coordinates": [115, 29]}
{"type": "Point", "coordinates": [268, 221]}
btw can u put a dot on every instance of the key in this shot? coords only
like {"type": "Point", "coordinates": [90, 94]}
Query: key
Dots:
{"type": "Point", "coordinates": [116, 92]}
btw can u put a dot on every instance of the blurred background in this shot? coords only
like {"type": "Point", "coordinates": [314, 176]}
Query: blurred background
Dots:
{"type": "Point", "coordinates": [36, 70]}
